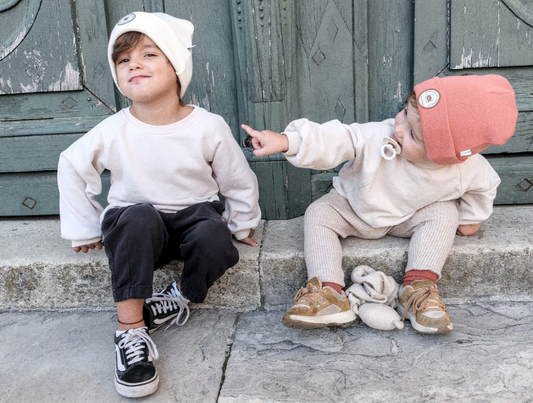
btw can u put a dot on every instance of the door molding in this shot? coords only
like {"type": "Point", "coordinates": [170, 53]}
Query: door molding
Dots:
{"type": "Point", "coordinates": [520, 10]}
{"type": "Point", "coordinates": [27, 18]}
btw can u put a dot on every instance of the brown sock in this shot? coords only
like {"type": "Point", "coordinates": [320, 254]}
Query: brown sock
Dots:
{"type": "Point", "coordinates": [415, 275]}
{"type": "Point", "coordinates": [335, 286]}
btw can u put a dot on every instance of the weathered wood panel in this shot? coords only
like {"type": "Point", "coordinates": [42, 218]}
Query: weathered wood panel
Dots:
{"type": "Point", "coordinates": [431, 30]}
{"type": "Point", "coordinates": [274, 176]}
{"type": "Point", "coordinates": [390, 56]}
{"type": "Point", "coordinates": [36, 194]}
{"type": "Point", "coordinates": [21, 112]}
{"type": "Point", "coordinates": [91, 23]}
{"type": "Point", "coordinates": [286, 52]}
{"type": "Point", "coordinates": [214, 85]}
{"type": "Point", "coordinates": [360, 46]}
{"type": "Point", "coordinates": [94, 95]}
{"type": "Point", "coordinates": [263, 55]}
{"type": "Point", "coordinates": [32, 127]}
{"type": "Point", "coordinates": [64, 55]}
{"type": "Point", "coordinates": [383, 69]}
{"type": "Point", "coordinates": [491, 33]}
{"type": "Point", "coordinates": [17, 18]}
{"type": "Point", "coordinates": [323, 71]}
{"type": "Point", "coordinates": [33, 153]}
{"type": "Point", "coordinates": [517, 179]}
{"type": "Point", "coordinates": [47, 53]}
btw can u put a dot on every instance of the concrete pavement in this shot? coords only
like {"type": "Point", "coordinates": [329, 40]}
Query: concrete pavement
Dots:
{"type": "Point", "coordinates": [225, 356]}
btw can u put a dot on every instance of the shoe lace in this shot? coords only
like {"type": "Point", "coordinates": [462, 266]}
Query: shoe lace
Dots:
{"type": "Point", "coordinates": [168, 301]}
{"type": "Point", "coordinates": [134, 342]}
{"type": "Point", "coordinates": [309, 294]}
{"type": "Point", "coordinates": [422, 299]}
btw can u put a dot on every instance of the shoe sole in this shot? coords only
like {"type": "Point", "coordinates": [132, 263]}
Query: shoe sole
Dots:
{"type": "Point", "coordinates": [131, 390]}
{"type": "Point", "coordinates": [423, 329]}
{"type": "Point", "coordinates": [313, 322]}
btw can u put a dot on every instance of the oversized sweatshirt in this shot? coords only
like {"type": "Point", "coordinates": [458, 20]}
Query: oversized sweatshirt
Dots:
{"type": "Point", "coordinates": [384, 192]}
{"type": "Point", "coordinates": [170, 167]}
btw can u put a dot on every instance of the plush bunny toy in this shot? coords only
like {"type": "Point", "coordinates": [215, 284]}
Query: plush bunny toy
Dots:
{"type": "Point", "coordinates": [373, 296]}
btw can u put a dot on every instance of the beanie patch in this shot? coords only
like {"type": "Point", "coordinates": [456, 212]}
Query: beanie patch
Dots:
{"type": "Point", "coordinates": [429, 99]}
{"type": "Point", "coordinates": [126, 19]}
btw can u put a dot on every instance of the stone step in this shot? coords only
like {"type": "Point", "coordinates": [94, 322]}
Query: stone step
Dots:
{"type": "Point", "coordinates": [39, 270]}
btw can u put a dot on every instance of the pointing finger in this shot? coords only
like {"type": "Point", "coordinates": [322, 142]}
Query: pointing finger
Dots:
{"type": "Point", "coordinates": [251, 132]}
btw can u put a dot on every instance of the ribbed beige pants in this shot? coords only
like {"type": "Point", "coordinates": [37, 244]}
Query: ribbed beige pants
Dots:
{"type": "Point", "coordinates": [431, 229]}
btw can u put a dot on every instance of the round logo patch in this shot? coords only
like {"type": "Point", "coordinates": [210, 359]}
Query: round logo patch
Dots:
{"type": "Point", "coordinates": [126, 19]}
{"type": "Point", "coordinates": [429, 98]}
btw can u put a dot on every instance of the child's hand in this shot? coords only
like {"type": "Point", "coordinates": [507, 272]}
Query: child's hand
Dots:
{"type": "Point", "coordinates": [267, 142]}
{"type": "Point", "coordinates": [85, 248]}
{"type": "Point", "coordinates": [467, 230]}
{"type": "Point", "coordinates": [248, 240]}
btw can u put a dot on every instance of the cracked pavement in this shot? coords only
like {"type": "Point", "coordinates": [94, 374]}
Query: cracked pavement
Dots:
{"type": "Point", "coordinates": [227, 356]}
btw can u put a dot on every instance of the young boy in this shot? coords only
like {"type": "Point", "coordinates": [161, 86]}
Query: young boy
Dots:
{"type": "Point", "coordinates": [168, 162]}
{"type": "Point", "coordinates": [435, 187]}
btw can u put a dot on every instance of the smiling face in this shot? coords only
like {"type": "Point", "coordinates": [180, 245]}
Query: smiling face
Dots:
{"type": "Point", "coordinates": [408, 133]}
{"type": "Point", "coordinates": [144, 73]}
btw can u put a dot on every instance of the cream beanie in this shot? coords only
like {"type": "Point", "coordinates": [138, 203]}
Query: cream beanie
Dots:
{"type": "Point", "coordinates": [172, 35]}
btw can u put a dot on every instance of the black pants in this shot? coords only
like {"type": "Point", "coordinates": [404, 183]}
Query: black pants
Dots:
{"type": "Point", "coordinates": [139, 239]}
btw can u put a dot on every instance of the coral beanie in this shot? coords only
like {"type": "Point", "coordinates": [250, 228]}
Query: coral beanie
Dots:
{"type": "Point", "coordinates": [462, 116]}
{"type": "Point", "coordinates": [172, 35]}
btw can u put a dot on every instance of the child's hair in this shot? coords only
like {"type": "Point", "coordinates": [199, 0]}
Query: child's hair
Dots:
{"type": "Point", "coordinates": [125, 42]}
{"type": "Point", "coordinates": [128, 41]}
{"type": "Point", "coordinates": [412, 100]}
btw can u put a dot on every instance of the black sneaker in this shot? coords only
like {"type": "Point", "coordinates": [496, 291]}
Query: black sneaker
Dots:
{"type": "Point", "coordinates": [135, 373]}
{"type": "Point", "coordinates": [164, 306]}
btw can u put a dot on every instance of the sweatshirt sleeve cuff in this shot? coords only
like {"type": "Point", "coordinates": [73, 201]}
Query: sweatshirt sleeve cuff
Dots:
{"type": "Point", "coordinates": [241, 234]}
{"type": "Point", "coordinates": [294, 142]}
{"type": "Point", "coordinates": [85, 242]}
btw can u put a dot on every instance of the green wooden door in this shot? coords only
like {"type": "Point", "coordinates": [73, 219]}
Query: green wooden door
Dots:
{"type": "Point", "coordinates": [54, 86]}
{"type": "Point", "coordinates": [458, 37]}
{"type": "Point", "coordinates": [267, 62]}
{"type": "Point", "coordinates": [261, 62]}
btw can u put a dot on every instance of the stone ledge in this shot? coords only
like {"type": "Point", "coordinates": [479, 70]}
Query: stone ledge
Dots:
{"type": "Point", "coordinates": [497, 261]}
{"type": "Point", "coordinates": [39, 271]}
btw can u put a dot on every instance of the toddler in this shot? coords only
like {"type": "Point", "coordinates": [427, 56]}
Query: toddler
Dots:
{"type": "Point", "coordinates": [418, 175]}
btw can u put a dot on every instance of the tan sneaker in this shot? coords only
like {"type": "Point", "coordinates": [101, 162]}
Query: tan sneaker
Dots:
{"type": "Point", "coordinates": [318, 307]}
{"type": "Point", "coordinates": [420, 303]}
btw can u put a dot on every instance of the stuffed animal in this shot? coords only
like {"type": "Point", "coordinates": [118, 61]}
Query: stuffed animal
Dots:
{"type": "Point", "coordinates": [379, 316]}
{"type": "Point", "coordinates": [373, 297]}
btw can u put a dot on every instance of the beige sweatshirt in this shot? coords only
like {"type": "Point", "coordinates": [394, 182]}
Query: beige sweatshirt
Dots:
{"type": "Point", "coordinates": [171, 167]}
{"type": "Point", "coordinates": [383, 192]}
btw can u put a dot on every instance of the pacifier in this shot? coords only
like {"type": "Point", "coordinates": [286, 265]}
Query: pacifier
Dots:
{"type": "Point", "coordinates": [390, 148]}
